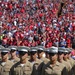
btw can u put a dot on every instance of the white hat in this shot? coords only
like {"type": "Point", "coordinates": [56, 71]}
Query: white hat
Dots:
{"type": "Point", "coordinates": [33, 49]}
{"type": "Point", "coordinates": [41, 48]}
{"type": "Point", "coordinates": [13, 48]}
{"type": "Point", "coordinates": [53, 49]}
{"type": "Point", "coordinates": [22, 48]}
{"type": "Point", "coordinates": [5, 50]}
{"type": "Point", "coordinates": [61, 49]}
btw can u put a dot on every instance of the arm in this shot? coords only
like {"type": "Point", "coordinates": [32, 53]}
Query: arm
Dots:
{"type": "Point", "coordinates": [64, 71]}
{"type": "Point", "coordinates": [43, 70]}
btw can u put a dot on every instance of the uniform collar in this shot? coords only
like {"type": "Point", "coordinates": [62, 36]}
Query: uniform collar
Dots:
{"type": "Point", "coordinates": [19, 63]}
{"type": "Point", "coordinates": [6, 63]}
{"type": "Point", "coordinates": [56, 64]}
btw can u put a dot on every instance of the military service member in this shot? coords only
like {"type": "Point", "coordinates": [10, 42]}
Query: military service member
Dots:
{"type": "Point", "coordinates": [71, 61]}
{"type": "Point", "coordinates": [47, 53]}
{"type": "Point", "coordinates": [69, 67]}
{"type": "Point", "coordinates": [5, 64]}
{"type": "Point", "coordinates": [23, 67]}
{"type": "Point", "coordinates": [41, 54]}
{"type": "Point", "coordinates": [54, 67]}
{"type": "Point", "coordinates": [13, 58]}
{"type": "Point", "coordinates": [37, 64]}
{"type": "Point", "coordinates": [61, 52]}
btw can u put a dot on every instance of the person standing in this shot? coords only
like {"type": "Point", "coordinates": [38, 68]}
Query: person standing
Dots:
{"type": "Point", "coordinates": [54, 67]}
{"type": "Point", "coordinates": [23, 67]}
{"type": "Point", "coordinates": [47, 53]}
{"type": "Point", "coordinates": [5, 64]}
{"type": "Point", "coordinates": [61, 52]}
{"type": "Point", "coordinates": [71, 61]}
{"type": "Point", "coordinates": [69, 67]}
{"type": "Point", "coordinates": [13, 50]}
{"type": "Point", "coordinates": [41, 54]}
{"type": "Point", "coordinates": [37, 64]}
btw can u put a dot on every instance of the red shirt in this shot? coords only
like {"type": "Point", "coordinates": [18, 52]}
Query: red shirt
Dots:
{"type": "Point", "coordinates": [22, 10]}
{"type": "Point", "coordinates": [0, 13]}
{"type": "Point", "coordinates": [10, 6]}
{"type": "Point", "coordinates": [48, 45]}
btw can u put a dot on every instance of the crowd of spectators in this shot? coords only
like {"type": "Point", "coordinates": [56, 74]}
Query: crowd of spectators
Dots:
{"type": "Point", "coordinates": [37, 22]}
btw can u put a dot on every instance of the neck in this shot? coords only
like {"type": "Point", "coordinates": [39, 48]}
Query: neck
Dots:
{"type": "Point", "coordinates": [65, 59]}
{"type": "Point", "coordinates": [39, 57]}
{"type": "Point", "coordinates": [33, 59]}
{"type": "Point", "coordinates": [4, 60]}
{"type": "Point", "coordinates": [69, 57]}
{"type": "Point", "coordinates": [13, 57]}
{"type": "Point", "coordinates": [60, 60]}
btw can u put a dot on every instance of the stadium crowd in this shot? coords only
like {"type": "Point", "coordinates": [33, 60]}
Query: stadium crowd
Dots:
{"type": "Point", "coordinates": [37, 22]}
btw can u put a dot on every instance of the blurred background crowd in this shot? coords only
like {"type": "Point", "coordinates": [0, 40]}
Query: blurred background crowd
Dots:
{"type": "Point", "coordinates": [37, 22]}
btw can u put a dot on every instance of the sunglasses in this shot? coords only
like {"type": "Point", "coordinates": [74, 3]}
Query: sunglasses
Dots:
{"type": "Point", "coordinates": [60, 53]}
{"type": "Point", "coordinates": [47, 52]}
{"type": "Point", "coordinates": [22, 53]}
{"type": "Point", "coordinates": [65, 53]}
{"type": "Point", "coordinates": [39, 51]}
{"type": "Point", "coordinates": [4, 53]}
{"type": "Point", "coordinates": [52, 54]}
{"type": "Point", "coordinates": [12, 51]}
{"type": "Point", "coordinates": [32, 53]}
